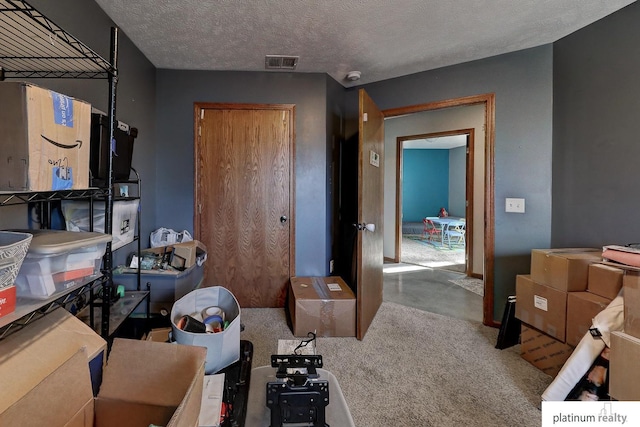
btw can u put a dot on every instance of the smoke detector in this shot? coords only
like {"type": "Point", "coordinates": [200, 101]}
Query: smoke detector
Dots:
{"type": "Point", "coordinates": [353, 75]}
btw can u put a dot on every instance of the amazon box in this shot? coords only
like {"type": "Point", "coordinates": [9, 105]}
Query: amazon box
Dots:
{"type": "Point", "coordinates": [541, 306]}
{"type": "Point", "coordinates": [582, 307]}
{"type": "Point", "coordinates": [324, 305]}
{"type": "Point", "coordinates": [44, 139]}
{"type": "Point", "coordinates": [542, 351]}
{"type": "Point", "coordinates": [563, 269]}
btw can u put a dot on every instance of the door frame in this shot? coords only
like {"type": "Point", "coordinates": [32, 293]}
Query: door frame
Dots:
{"type": "Point", "coordinates": [469, 185]}
{"type": "Point", "coordinates": [488, 100]}
{"type": "Point", "coordinates": [198, 108]}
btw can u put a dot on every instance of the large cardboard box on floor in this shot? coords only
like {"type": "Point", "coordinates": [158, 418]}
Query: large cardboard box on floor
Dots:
{"type": "Point", "coordinates": [325, 305]}
{"type": "Point", "coordinates": [624, 375]}
{"type": "Point", "coordinates": [563, 269]}
{"type": "Point", "coordinates": [44, 139]}
{"type": "Point", "coordinates": [542, 351]}
{"type": "Point", "coordinates": [541, 306]}
{"type": "Point", "coordinates": [144, 383]}
{"type": "Point", "coordinates": [582, 307]}
{"type": "Point", "coordinates": [604, 280]}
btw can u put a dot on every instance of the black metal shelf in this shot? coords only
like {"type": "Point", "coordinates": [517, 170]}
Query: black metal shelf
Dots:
{"type": "Point", "coordinates": [10, 198]}
{"type": "Point", "coordinates": [28, 310]}
{"type": "Point", "coordinates": [32, 46]}
{"type": "Point", "coordinates": [120, 310]}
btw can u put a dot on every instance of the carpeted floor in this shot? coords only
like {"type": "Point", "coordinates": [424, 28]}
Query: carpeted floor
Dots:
{"type": "Point", "coordinates": [415, 368]}
{"type": "Point", "coordinates": [471, 284]}
{"type": "Point", "coordinates": [418, 250]}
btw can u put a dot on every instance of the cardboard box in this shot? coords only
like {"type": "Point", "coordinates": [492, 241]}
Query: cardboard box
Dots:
{"type": "Point", "coordinates": [7, 300]}
{"type": "Point", "coordinates": [563, 269]}
{"type": "Point", "coordinates": [182, 255]}
{"type": "Point", "coordinates": [144, 383]}
{"type": "Point", "coordinates": [624, 375]}
{"type": "Point", "coordinates": [325, 305]}
{"type": "Point", "coordinates": [149, 382]}
{"type": "Point", "coordinates": [186, 254]}
{"type": "Point", "coordinates": [44, 139]}
{"type": "Point", "coordinates": [582, 307]}
{"type": "Point", "coordinates": [541, 306]}
{"type": "Point", "coordinates": [35, 352]}
{"type": "Point", "coordinates": [631, 283]}
{"type": "Point", "coordinates": [542, 351]}
{"type": "Point", "coordinates": [604, 280]}
{"type": "Point", "coordinates": [158, 335]}
{"type": "Point", "coordinates": [223, 348]}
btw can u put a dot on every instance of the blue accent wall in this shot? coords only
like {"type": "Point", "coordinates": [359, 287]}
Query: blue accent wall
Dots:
{"type": "Point", "coordinates": [425, 183]}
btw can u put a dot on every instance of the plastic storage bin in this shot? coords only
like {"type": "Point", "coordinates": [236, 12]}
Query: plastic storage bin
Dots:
{"type": "Point", "coordinates": [124, 137]}
{"type": "Point", "coordinates": [76, 216]}
{"type": "Point", "coordinates": [165, 287]}
{"type": "Point", "coordinates": [58, 259]}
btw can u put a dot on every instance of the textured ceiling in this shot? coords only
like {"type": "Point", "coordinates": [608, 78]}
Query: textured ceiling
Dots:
{"type": "Point", "coordinates": [381, 38]}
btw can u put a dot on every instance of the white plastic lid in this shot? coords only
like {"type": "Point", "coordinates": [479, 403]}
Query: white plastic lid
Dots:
{"type": "Point", "coordinates": [51, 242]}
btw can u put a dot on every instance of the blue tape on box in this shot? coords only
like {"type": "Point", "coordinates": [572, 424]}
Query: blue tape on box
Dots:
{"type": "Point", "coordinates": [62, 109]}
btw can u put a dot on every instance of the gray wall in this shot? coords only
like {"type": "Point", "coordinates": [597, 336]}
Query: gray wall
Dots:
{"type": "Point", "coordinates": [136, 89]}
{"type": "Point", "coordinates": [522, 83]}
{"type": "Point", "coordinates": [176, 93]}
{"type": "Point", "coordinates": [595, 133]}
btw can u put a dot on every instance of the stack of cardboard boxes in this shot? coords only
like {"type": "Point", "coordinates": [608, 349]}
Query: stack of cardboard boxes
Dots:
{"type": "Point", "coordinates": [558, 300]}
{"type": "Point", "coordinates": [624, 375]}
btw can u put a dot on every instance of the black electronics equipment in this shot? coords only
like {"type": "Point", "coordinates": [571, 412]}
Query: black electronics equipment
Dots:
{"type": "Point", "coordinates": [122, 146]}
{"type": "Point", "coordinates": [298, 396]}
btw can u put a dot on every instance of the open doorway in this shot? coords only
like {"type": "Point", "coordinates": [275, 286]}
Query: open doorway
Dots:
{"type": "Point", "coordinates": [432, 199]}
{"type": "Point", "coordinates": [480, 197]}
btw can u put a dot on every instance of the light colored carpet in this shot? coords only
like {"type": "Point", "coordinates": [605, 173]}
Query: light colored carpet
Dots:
{"type": "Point", "coordinates": [418, 250]}
{"type": "Point", "coordinates": [471, 284]}
{"type": "Point", "coordinates": [415, 368]}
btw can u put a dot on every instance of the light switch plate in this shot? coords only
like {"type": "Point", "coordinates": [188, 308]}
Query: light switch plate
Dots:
{"type": "Point", "coordinates": [514, 205]}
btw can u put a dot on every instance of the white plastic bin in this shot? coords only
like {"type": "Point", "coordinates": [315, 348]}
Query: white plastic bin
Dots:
{"type": "Point", "coordinates": [76, 215]}
{"type": "Point", "coordinates": [58, 259]}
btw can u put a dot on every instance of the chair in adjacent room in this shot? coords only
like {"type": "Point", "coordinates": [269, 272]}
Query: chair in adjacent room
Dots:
{"type": "Point", "coordinates": [453, 233]}
{"type": "Point", "coordinates": [431, 230]}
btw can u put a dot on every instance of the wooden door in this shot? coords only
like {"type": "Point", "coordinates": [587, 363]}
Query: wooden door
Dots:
{"type": "Point", "coordinates": [370, 211]}
{"type": "Point", "coordinates": [244, 199]}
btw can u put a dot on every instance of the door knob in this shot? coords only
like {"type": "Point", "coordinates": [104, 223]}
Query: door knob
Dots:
{"type": "Point", "coordinates": [365, 226]}
{"type": "Point", "coordinates": [283, 219]}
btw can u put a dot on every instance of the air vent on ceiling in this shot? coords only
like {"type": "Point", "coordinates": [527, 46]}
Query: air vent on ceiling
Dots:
{"type": "Point", "coordinates": [280, 62]}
